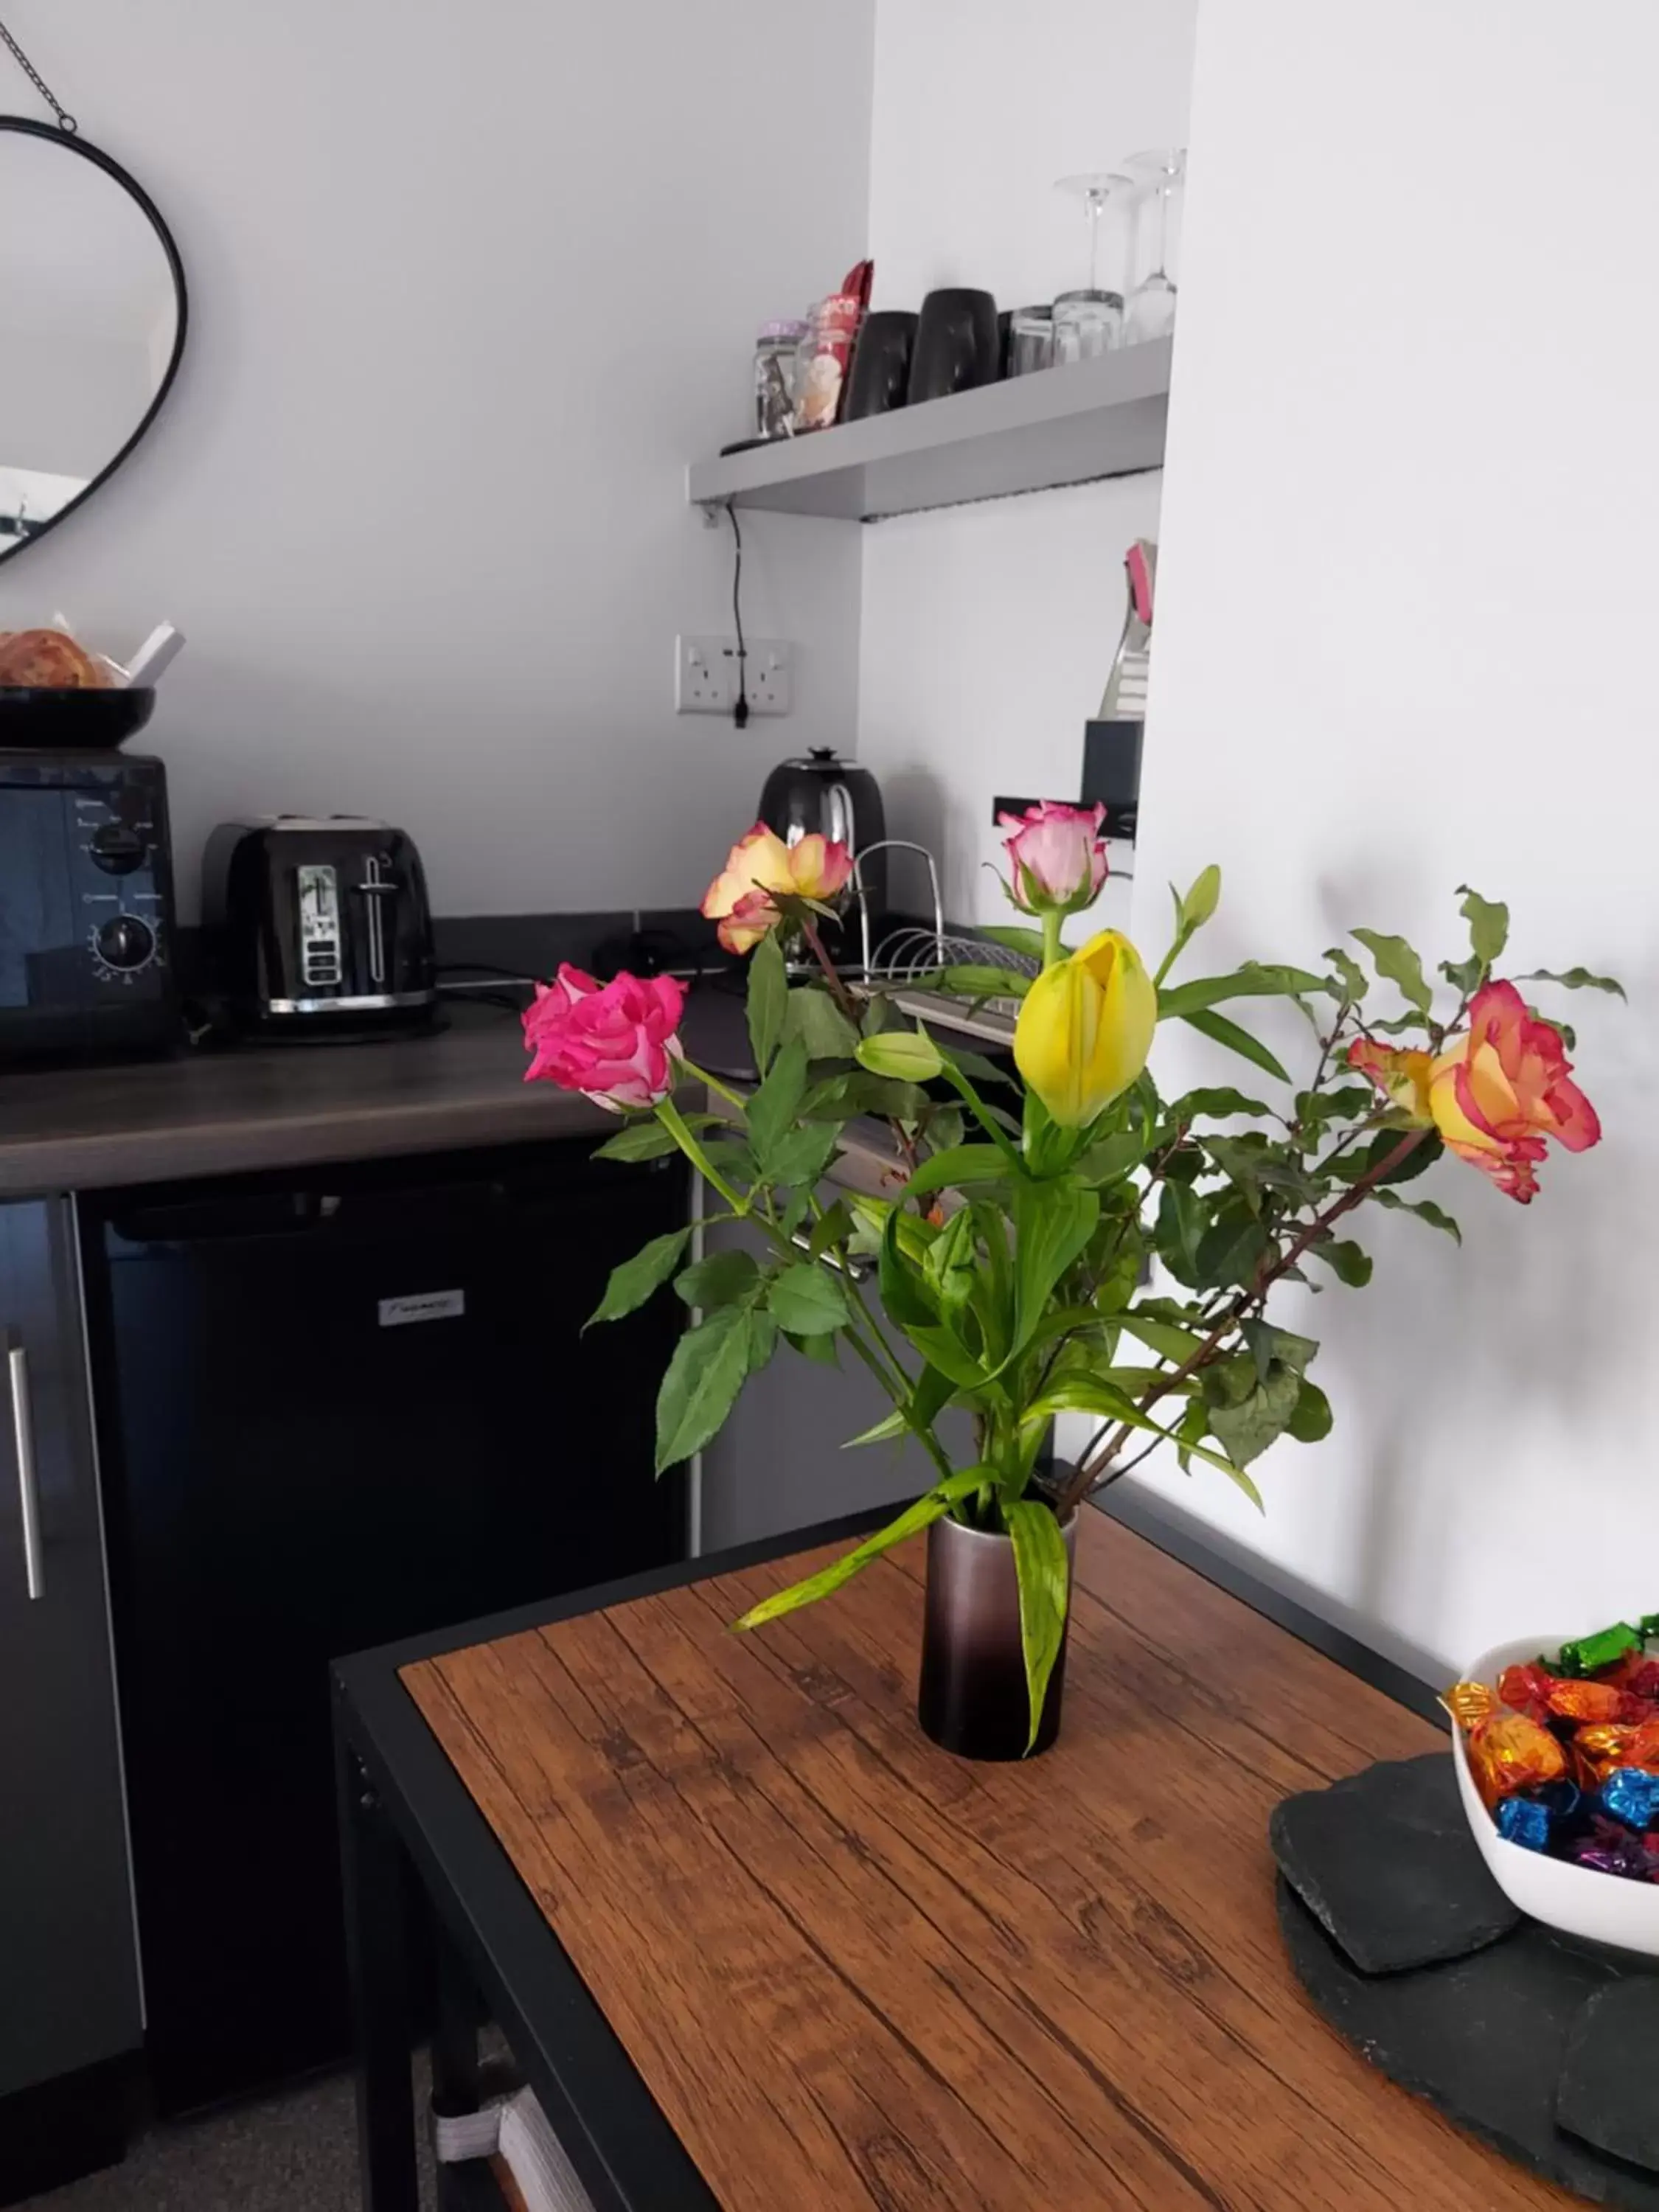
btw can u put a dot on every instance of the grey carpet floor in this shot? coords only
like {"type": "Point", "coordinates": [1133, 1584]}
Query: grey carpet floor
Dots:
{"type": "Point", "coordinates": [293, 2153]}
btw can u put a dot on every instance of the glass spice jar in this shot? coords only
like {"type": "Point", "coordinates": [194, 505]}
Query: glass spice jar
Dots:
{"type": "Point", "coordinates": [775, 347]}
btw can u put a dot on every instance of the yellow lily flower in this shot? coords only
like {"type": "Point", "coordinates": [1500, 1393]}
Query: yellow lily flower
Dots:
{"type": "Point", "coordinates": [1085, 1029]}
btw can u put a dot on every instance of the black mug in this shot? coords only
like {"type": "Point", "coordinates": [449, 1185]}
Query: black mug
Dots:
{"type": "Point", "coordinates": [958, 343]}
{"type": "Point", "coordinates": [881, 364]}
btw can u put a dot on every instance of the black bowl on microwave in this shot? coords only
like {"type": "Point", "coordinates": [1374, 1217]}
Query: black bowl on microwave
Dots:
{"type": "Point", "coordinates": [47, 719]}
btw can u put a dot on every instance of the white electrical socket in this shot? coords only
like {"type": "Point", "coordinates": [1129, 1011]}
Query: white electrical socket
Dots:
{"type": "Point", "coordinates": [706, 675]}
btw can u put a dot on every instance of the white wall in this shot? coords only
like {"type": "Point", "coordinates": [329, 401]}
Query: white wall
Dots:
{"type": "Point", "coordinates": [67, 402]}
{"type": "Point", "coordinates": [988, 632]}
{"type": "Point", "coordinates": [1405, 640]}
{"type": "Point", "coordinates": [467, 292]}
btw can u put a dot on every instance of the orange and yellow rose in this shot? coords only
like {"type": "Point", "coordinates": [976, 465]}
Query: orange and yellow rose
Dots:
{"type": "Point", "coordinates": [741, 898]}
{"type": "Point", "coordinates": [1495, 1094]}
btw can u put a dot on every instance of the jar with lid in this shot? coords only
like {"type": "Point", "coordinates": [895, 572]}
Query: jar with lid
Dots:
{"type": "Point", "coordinates": [775, 347]}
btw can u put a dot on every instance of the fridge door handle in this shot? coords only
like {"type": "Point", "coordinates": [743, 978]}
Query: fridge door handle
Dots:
{"type": "Point", "coordinates": [22, 1421]}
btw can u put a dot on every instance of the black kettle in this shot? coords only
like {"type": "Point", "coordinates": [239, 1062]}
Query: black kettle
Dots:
{"type": "Point", "coordinates": [833, 798]}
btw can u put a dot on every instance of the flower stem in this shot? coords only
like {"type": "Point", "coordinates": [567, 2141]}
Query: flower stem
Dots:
{"type": "Point", "coordinates": [669, 1114]}
{"type": "Point", "coordinates": [711, 1082]}
{"type": "Point", "coordinates": [1053, 951]}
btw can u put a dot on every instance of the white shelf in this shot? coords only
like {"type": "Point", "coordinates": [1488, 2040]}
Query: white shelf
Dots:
{"type": "Point", "coordinates": [1058, 426]}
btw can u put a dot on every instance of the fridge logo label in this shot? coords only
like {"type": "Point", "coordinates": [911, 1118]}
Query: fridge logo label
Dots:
{"type": "Point", "coordinates": [427, 1306]}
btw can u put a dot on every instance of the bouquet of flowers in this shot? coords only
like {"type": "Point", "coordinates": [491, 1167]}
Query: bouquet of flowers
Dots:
{"type": "Point", "coordinates": [1072, 1242]}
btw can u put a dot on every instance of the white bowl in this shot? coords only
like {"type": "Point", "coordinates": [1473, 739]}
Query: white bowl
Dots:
{"type": "Point", "coordinates": [1575, 1899]}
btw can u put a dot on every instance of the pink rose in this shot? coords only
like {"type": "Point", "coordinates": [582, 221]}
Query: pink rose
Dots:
{"type": "Point", "coordinates": [1058, 857]}
{"type": "Point", "coordinates": [617, 1041]}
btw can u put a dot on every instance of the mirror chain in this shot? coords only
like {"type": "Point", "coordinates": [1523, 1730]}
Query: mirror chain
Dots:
{"type": "Point", "coordinates": [66, 121]}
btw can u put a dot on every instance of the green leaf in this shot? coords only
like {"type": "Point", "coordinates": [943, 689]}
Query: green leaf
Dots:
{"type": "Point", "coordinates": [1574, 979]}
{"type": "Point", "coordinates": [1359, 1162]}
{"type": "Point", "coordinates": [761, 1332]}
{"type": "Point", "coordinates": [1241, 1159]}
{"type": "Point", "coordinates": [1162, 1337]}
{"type": "Point", "coordinates": [768, 994]}
{"type": "Point", "coordinates": [956, 1166]}
{"type": "Point", "coordinates": [1253, 980]}
{"type": "Point", "coordinates": [1489, 925]}
{"type": "Point", "coordinates": [1268, 1344]}
{"type": "Point", "coordinates": [1424, 1209]}
{"type": "Point", "coordinates": [722, 1279]}
{"type": "Point", "coordinates": [970, 982]}
{"type": "Point", "coordinates": [1397, 964]}
{"type": "Point", "coordinates": [1311, 1422]}
{"type": "Point", "coordinates": [833, 1226]}
{"type": "Point", "coordinates": [910, 1054]}
{"type": "Point", "coordinates": [806, 1300]}
{"type": "Point", "coordinates": [632, 1283]}
{"type": "Point", "coordinates": [1052, 1222]}
{"type": "Point", "coordinates": [820, 1350]}
{"type": "Point", "coordinates": [1349, 1102]}
{"type": "Point", "coordinates": [1195, 909]}
{"type": "Point", "coordinates": [1355, 981]}
{"type": "Point", "coordinates": [773, 1109]}
{"type": "Point", "coordinates": [1232, 1247]}
{"type": "Point", "coordinates": [646, 1138]}
{"type": "Point", "coordinates": [1181, 1223]}
{"type": "Point", "coordinates": [975, 1065]}
{"type": "Point", "coordinates": [903, 1293]}
{"type": "Point", "coordinates": [1215, 1104]}
{"type": "Point", "coordinates": [1028, 941]}
{"type": "Point", "coordinates": [1345, 1260]}
{"type": "Point", "coordinates": [842, 1097]}
{"type": "Point", "coordinates": [1043, 1572]}
{"type": "Point", "coordinates": [952, 1266]}
{"type": "Point", "coordinates": [1463, 976]}
{"type": "Point", "coordinates": [708, 1368]}
{"type": "Point", "coordinates": [932, 1506]}
{"type": "Point", "coordinates": [1220, 1030]}
{"type": "Point", "coordinates": [801, 1157]}
{"type": "Point", "coordinates": [812, 1017]}
{"type": "Point", "coordinates": [1247, 1424]}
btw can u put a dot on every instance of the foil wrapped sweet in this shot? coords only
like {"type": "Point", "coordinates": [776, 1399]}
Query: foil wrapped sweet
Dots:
{"type": "Point", "coordinates": [1564, 1750]}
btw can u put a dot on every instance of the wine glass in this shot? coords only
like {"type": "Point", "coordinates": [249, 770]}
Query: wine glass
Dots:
{"type": "Point", "coordinates": [1161, 177]}
{"type": "Point", "coordinates": [1089, 321]}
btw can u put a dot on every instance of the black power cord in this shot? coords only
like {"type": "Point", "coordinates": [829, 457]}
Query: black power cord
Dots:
{"type": "Point", "coordinates": [740, 712]}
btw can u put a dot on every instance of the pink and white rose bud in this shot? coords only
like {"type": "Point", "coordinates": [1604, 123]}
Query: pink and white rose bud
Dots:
{"type": "Point", "coordinates": [615, 1041]}
{"type": "Point", "coordinates": [1056, 857]}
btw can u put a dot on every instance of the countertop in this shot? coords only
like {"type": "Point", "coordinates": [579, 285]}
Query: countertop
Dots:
{"type": "Point", "coordinates": [229, 1111]}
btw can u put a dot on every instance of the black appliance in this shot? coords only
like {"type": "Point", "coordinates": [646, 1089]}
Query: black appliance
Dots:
{"type": "Point", "coordinates": [86, 906]}
{"type": "Point", "coordinates": [958, 345]}
{"type": "Point", "coordinates": [337, 1408]}
{"type": "Point", "coordinates": [824, 795]}
{"type": "Point", "coordinates": [319, 928]}
{"type": "Point", "coordinates": [881, 364]}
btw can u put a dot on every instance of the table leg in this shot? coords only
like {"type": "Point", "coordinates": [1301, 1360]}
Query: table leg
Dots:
{"type": "Point", "coordinates": [457, 2087]}
{"type": "Point", "coordinates": [375, 1872]}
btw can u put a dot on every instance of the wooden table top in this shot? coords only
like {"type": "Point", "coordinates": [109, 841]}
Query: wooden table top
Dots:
{"type": "Point", "coordinates": [855, 1972]}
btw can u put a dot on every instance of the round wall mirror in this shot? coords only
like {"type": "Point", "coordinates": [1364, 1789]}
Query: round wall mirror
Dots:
{"type": "Point", "coordinates": [92, 324]}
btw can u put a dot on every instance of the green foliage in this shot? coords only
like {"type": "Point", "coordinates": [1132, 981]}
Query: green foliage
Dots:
{"type": "Point", "coordinates": [647, 1139]}
{"type": "Point", "coordinates": [710, 1365]}
{"type": "Point", "coordinates": [1489, 925]}
{"type": "Point", "coordinates": [970, 982]}
{"type": "Point", "coordinates": [1574, 979]}
{"type": "Point", "coordinates": [1397, 964]}
{"type": "Point", "coordinates": [767, 1000]}
{"type": "Point", "coordinates": [1198, 905]}
{"type": "Point", "coordinates": [1424, 1209]}
{"type": "Point", "coordinates": [846, 1097]}
{"type": "Point", "coordinates": [1253, 980]}
{"type": "Point", "coordinates": [807, 1301]}
{"type": "Point", "coordinates": [1345, 1260]}
{"type": "Point", "coordinates": [813, 1017]}
{"type": "Point", "coordinates": [957, 1167]}
{"type": "Point", "coordinates": [910, 1054]}
{"type": "Point", "coordinates": [1214, 1104]}
{"type": "Point", "coordinates": [1043, 1569]}
{"type": "Point", "coordinates": [932, 1506]}
{"type": "Point", "coordinates": [722, 1279]}
{"type": "Point", "coordinates": [1350, 975]}
{"type": "Point", "coordinates": [1220, 1030]}
{"type": "Point", "coordinates": [632, 1283]}
{"type": "Point", "coordinates": [1028, 941]}
{"type": "Point", "coordinates": [775, 1108]}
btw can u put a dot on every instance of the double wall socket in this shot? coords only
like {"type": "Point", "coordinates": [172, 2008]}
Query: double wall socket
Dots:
{"type": "Point", "coordinates": [706, 675]}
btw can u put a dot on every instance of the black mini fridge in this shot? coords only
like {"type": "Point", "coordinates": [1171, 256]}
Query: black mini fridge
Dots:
{"type": "Point", "coordinates": [338, 1408]}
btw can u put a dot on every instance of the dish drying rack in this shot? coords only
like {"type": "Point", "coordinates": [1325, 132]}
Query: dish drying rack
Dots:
{"type": "Point", "coordinates": [908, 953]}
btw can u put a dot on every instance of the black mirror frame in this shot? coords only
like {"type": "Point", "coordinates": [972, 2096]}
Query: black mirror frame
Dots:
{"type": "Point", "coordinates": [74, 144]}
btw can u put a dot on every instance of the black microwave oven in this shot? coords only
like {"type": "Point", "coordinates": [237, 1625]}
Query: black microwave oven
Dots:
{"type": "Point", "coordinates": [86, 906]}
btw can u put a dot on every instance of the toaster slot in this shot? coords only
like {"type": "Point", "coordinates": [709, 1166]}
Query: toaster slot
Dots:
{"type": "Point", "coordinates": [319, 927]}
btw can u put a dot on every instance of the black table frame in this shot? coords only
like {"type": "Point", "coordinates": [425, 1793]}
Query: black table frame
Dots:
{"type": "Point", "coordinates": [410, 1832]}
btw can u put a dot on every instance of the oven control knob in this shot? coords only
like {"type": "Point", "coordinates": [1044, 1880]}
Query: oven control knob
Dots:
{"type": "Point", "coordinates": [118, 850]}
{"type": "Point", "coordinates": [124, 942]}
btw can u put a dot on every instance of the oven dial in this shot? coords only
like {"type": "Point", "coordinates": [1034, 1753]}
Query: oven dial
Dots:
{"type": "Point", "coordinates": [117, 849]}
{"type": "Point", "coordinates": [124, 943]}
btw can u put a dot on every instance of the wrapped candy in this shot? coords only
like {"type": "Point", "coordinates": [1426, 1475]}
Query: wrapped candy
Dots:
{"type": "Point", "coordinates": [1588, 1654]}
{"type": "Point", "coordinates": [1630, 1794]}
{"type": "Point", "coordinates": [1636, 1674]}
{"type": "Point", "coordinates": [1526, 1689]}
{"type": "Point", "coordinates": [1598, 1750]}
{"type": "Point", "coordinates": [1644, 1749]}
{"type": "Point", "coordinates": [1578, 1700]}
{"type": "Point", "coordinates": [1522, 1820]}
{"type": "Point", "coordinates": [1609, 1849]}
{"type": "Point", "coordinates": [1509, 1752]}
{"type": "Point", "coordinates": [1469, 1702]}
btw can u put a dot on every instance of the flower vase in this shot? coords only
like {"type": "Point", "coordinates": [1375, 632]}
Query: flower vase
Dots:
{"type": "Point", "coordinates": [973, 1699]}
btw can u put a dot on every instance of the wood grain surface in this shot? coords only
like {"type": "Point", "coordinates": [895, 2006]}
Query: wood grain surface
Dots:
{"type": "Point", "coordinates": [856, 1972]}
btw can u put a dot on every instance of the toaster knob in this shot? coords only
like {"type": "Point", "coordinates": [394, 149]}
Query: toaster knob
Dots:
{"type": "Point", "coordinates": [117, 849]}
{"type": "Point", "coordinates": [124, 942]}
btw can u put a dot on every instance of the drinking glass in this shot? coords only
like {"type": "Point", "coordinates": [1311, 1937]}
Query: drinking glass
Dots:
{"type": "Point", "coordinates": [1030, 340]}
{"type": "Point", "coordinates": [1160, 177]}
{"type": "Point", "coordinates": [1089, 321]}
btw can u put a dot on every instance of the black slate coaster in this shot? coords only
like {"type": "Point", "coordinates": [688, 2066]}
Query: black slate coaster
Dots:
{"type": "Point", "coordinates": [1483, 2038]}
{"type": "Point", "coordinates": [1609, 2092]}
{"type": "Point", "coordinates": [1386, 1863]}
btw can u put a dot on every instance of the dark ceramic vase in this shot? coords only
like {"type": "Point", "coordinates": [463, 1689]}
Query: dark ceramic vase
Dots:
{"type": "Point", "coordinates": [973, 1699]}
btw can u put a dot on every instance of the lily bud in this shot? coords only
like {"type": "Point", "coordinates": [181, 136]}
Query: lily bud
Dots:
{"type": "Point", "coordinates": [1085, 1029]}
